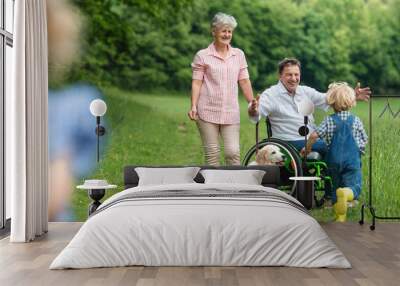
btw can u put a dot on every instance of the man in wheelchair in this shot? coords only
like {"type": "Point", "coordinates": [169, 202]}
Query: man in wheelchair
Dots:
{"type": "Point", "coordinates": [280, 103]}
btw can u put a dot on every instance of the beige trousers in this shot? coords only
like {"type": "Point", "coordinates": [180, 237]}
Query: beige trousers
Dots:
{"type": "Point", "coordinates": [210, 133]}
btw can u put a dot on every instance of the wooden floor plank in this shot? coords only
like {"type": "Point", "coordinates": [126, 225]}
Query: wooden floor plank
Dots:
{"type": "Point", "coordinates": [374, 255]}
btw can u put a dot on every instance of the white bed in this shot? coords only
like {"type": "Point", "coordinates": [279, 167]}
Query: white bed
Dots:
{"type": "Point", "coordinates": [201, 224]}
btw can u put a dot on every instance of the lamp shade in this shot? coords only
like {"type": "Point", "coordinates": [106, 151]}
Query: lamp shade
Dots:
{"type": "Point", "coordinates": [98, 107]}
{"type": "Point", "coordinates": [306, 107]}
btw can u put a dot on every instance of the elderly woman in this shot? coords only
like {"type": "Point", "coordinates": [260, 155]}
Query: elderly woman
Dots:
{"type": "Point", "coordinates": [217, 70]}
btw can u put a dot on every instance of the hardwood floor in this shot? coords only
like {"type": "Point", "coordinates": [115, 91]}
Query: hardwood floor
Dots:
{"type": "Point", "coordinates": [374, 255]}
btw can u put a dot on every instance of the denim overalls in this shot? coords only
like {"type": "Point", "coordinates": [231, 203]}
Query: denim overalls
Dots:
{"type": "Point", "coordinates": [344, 157]}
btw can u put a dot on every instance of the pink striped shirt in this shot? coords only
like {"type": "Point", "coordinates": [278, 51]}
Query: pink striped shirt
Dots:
{"type": "Point", "coordinates": [218, 100]}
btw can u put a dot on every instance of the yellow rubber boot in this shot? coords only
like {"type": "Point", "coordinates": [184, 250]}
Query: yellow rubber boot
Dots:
{"type": "Point", "coordinates": [343, 195]}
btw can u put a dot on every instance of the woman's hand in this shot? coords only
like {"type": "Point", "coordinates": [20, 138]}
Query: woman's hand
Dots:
{"type": "Point", "coordinates": [193, 113]}
{"type": "Point", "coordinates": [253, 107]}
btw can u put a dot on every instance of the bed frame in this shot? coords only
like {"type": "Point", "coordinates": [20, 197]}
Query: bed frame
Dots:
{"type": "Point", "coordinates": [270, 179]}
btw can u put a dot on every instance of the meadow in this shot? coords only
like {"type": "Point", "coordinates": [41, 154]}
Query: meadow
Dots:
{"type": "Point", "coordinates": [153, 129]}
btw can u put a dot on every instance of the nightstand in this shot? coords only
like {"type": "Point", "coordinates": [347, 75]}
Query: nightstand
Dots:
{"type": "Point", "coordinates": [306, 195]}
{"type": "Point", "coordinates": [96, 190]}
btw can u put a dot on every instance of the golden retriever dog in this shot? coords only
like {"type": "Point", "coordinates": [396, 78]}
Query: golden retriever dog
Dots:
{"type": "Point", "coordinates": [269, 155]}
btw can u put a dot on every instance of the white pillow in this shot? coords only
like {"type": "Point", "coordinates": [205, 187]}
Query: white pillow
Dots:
{"type": "Point", "coordinates": [248, 177]}
{"type": "Point", "coordinates": [165, 176]}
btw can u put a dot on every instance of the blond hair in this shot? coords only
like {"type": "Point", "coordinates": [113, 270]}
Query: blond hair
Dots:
{"type": "Point", "coordinates": [340, 96]}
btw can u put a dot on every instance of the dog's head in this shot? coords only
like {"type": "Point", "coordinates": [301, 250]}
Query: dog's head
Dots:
{"type": "Point", "coordinates": [270, 155]}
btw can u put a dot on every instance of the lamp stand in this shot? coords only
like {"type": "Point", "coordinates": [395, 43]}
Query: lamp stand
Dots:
{"type": "Point", "coordinates": [305, 136]}
{"type": "Point", "coordinates": [100, 131]}
{"type": "Point", "coordinates": [303, 131]}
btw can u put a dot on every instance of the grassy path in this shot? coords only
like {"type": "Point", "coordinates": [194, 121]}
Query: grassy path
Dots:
{"type": "Point", "coordinates": [153, 129]}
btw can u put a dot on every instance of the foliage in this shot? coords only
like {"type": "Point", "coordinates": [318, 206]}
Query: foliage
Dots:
{"type": "Point", "coordinates": [142, 45]}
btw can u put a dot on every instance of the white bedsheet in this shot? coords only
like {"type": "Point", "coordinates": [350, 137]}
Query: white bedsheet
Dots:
{"type": "Point", "coordinates": [200, 231]}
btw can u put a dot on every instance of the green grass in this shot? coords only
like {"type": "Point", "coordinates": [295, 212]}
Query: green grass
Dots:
{"type": "Point", "coordinates": [153, 129]}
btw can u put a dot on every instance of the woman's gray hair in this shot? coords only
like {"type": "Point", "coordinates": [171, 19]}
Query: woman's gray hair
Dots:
{"type": "Point", "coordinates": [222, 19]}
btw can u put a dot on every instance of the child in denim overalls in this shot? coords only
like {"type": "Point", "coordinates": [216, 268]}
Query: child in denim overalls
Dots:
{"type": "Point", "coordinates": [346, 138]}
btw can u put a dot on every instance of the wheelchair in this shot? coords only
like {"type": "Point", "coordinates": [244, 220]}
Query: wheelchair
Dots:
{"type": "Point", "coordinates": [295, 166]}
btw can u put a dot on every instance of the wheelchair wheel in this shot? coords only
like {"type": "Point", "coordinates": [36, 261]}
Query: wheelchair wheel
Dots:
{"type": "Point", "coordinates": [292, 164]}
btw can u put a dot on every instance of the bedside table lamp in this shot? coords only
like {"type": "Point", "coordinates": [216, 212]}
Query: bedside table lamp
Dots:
{"type": "Point", "coordinates": [98, 108]}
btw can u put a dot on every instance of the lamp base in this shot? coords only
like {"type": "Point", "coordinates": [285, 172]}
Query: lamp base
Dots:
{"type": "Point", "coordinates": [96, 195]}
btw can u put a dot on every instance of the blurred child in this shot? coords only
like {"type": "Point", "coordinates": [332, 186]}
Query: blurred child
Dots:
{"type": "Point", "coordinates": [346, 138]}
{"type": "Point", "coordinates": [72, 139]}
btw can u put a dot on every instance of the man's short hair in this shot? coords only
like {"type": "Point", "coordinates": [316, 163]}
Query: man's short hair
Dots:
{"type": "Point", "coordinates": [288, 62]}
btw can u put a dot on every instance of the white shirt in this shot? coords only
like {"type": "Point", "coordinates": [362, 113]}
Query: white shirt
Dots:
{"type": "Point", "coordinates": [282, 110]}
